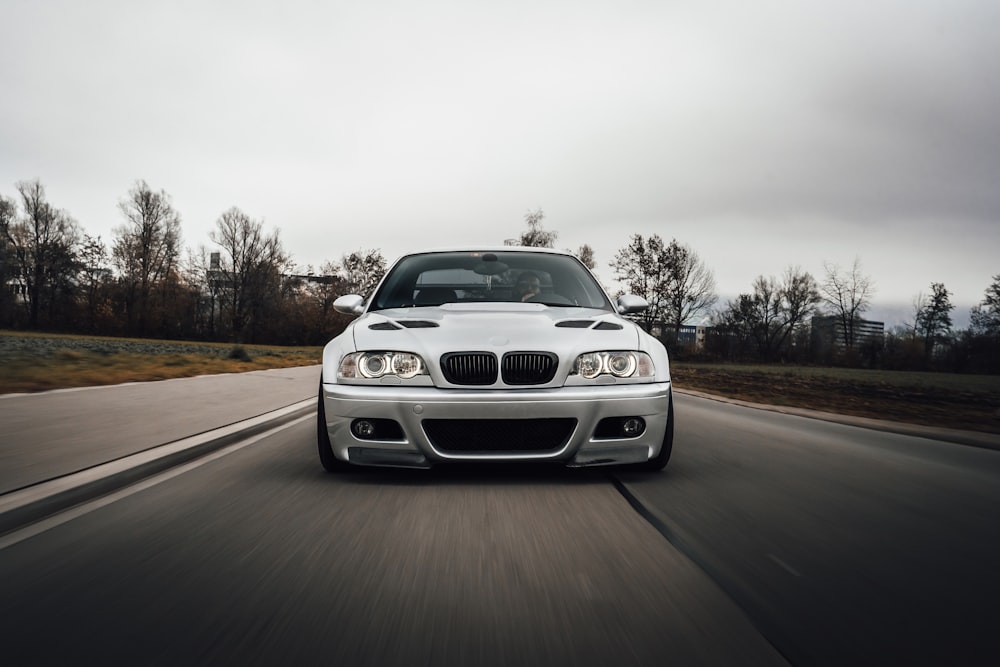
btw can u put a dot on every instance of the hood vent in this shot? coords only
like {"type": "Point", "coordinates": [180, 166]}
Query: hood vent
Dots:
{"type": "Point", "coordinates": [409, 324]}
{"type": "Point", "coordinates": [586, 324]}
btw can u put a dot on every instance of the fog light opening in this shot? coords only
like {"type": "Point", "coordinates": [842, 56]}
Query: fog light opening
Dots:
{"type": "Point", "coordinates": [632, 427]}
{"type": "Point", "coordinates": [364, 429]}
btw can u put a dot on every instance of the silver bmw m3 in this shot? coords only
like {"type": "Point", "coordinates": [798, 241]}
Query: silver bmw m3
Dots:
{"type": "Point", "coordinates": [505, 354]}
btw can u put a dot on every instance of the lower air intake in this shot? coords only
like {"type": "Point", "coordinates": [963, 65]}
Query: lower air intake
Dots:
{"type": "Point", "coordinates": [498, 435]}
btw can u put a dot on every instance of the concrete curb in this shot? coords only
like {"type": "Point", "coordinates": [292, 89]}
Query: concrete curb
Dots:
{"type": "Point", "coordinates": [32, 503]}
{"type": "Point", "coordinates": [969, 438]}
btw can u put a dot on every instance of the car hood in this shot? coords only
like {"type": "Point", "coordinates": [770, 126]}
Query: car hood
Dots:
{"type": "Point", "coordinates": [499, 328]}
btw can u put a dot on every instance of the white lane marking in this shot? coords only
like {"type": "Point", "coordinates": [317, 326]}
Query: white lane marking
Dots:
{"type": "Point", "coordinates": [785, 566]}
{"type": "Point", "coordinates": [68, 515]}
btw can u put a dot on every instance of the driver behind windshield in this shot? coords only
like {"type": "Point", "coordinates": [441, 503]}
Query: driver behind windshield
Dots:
{"type": "Point", "coordinates": [528, 285]}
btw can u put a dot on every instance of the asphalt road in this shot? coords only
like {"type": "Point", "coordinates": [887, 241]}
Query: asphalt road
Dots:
{"type": "Point", "coordinates": [847, 546]}
{"type": "Point", "coordinates": [769, 538]}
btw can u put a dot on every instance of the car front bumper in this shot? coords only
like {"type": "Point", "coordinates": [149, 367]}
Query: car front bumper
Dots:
{"type": "Point", "coordinates": [410, 406]}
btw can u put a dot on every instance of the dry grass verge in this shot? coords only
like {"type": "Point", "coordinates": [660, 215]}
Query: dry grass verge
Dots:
{"type": "Point", "coordinates": [947, 400]}
{"type": "Point", "coordinates": [37, 362]}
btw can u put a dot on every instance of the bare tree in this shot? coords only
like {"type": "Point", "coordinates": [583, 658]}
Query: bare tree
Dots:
{"type": "Point", "coordinates": [690, 286]}
{"type": "Point", "coordinates": [986, 315]}
{"type": "Point", "coordinates": [769, 325]}
{"type": "Point", "coordinates": [735, 325]}
{"type": "Point", "coordinates": [252, 263]}
{"type": "Point", "coordinates": [801, 295]}
{"type": "Point", "coordinates": [42, 247]}
{"type": "Point", "coordinates": [586, 255]}
{"type": "Point", "coordinates": [848, 294]}
{"type": "Point", "coordinates": [322, 321]}
{"type": "Point", "coordinates": [672, 278]}
{"type": "Point", "coordinates": [535, 236]}
{"type": "Point", "coordinates": [773, 312]}
{"type": "Point", "coordinates": [8, 216]}
{"type": "Point", "coordinates": [202, 278]}
{"type": "Point", "coordinates": [933, 317]}
{"type": "Point", "coordinates": [94, 278]}
{"type": "Point", "coordinates": [145, 249]}
{"type": "Point", "coordinates": [639, 266]}
{"type": "Point", "coordinates": [361, 271]}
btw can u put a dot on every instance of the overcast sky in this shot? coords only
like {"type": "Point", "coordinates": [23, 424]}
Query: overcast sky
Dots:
{"type": "Point", "coordinates": [763, 134]}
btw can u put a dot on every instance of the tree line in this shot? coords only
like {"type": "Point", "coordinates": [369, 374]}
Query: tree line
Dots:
{"type": "Point", "coordinates": [247, 289]}
{"type": "Point", "coordinates": [59, 278]}
{"type": "Point", "coordinates": [782, 319]}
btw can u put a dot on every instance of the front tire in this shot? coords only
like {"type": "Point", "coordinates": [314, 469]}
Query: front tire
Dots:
{"type": "Point", "coordinates": [659, 462]}
{"type": "Point", "coordinates": [326, 457]}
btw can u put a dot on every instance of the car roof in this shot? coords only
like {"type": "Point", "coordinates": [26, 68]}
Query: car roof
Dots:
{"type": "Point", "coordinates": [502, 248]}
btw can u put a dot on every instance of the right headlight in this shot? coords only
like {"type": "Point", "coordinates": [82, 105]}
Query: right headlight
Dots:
{"type": "Point", "coordinates": [619, 364]}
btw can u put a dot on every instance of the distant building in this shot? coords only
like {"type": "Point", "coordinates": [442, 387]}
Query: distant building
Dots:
{"type": "Point", "coordinates": [693, 336]}
{"type": "Point", "coordinates": [690, 335]}
{"type": "Point", "coordinates": [828, 333]}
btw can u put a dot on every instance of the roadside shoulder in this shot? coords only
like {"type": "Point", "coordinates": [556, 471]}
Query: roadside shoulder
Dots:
{"type": "Point", "coordinates": [970, 438]}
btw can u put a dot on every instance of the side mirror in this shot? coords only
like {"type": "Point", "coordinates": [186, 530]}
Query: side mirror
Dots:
{"type": "Point", "coordinates": [349, 304]}
{"type": "Point", "coordinates": [630, 303]}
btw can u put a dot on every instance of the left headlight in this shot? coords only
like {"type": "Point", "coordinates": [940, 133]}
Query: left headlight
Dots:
{"type": "Point", "coordinates": [373, 365]}
{"type": "Point", "coordinates": [624, 364]}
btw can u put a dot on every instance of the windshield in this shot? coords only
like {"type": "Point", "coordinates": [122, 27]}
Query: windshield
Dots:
{"type": "Point", "coordinates": [474, 277]}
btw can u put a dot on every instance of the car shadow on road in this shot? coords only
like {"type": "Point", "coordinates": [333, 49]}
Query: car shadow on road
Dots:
{"type": "Point", "coordinates": [464, 473]}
